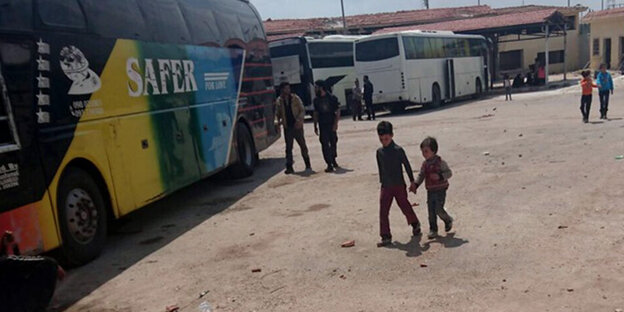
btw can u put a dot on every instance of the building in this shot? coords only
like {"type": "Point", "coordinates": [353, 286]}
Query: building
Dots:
{"type": "Point", "coordinates": [518, 34]}
{"type": "Point", "coordinates": [606, 38]}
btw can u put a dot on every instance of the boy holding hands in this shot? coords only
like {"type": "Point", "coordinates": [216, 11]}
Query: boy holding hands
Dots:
{"type": "Point", "coordinates": [435, 172]}
{"type": "Point", "coordinates": [391, 159]}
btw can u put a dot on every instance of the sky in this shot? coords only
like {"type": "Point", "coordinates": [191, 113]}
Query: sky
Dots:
{"type": "Point", "coordinates": [328, 8]}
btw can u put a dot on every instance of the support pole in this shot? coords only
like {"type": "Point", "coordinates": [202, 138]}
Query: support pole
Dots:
{"type": "Point", "coordinates": [565, 52]}
{"type": "Point", "coordinates": [344, 19]}
{"type": "Point", "coordinates": [546, 55]}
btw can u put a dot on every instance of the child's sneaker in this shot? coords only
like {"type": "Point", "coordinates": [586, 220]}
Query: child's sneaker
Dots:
{"type": "Point", "coordinates": [432, 235]}
{"type": "Point", "coordinates": [448, 226]}
{"type": "Point", "coordinates": [386, 241]}
{"type": "Point", "coordinates": [416, 231]}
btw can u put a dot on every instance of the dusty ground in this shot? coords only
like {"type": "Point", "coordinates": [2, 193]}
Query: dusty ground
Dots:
{"type": "Point", "coordinates": [539, 224]}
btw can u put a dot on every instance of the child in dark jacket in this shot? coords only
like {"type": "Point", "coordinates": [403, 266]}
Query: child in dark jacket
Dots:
{"type": "Point", "coordinates": [391, 159]}
{"type": "Point", "coordinates": [435, 172]}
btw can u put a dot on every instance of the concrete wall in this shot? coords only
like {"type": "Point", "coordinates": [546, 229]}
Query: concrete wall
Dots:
{"type": "Point", "coordinates": [602, 29]}
{"type": "Point", "coordinates": [532, 47]}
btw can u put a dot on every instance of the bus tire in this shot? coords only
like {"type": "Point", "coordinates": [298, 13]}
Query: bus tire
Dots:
{"type": "Point", "coordinates": [246, 153]}
{"type": "Point", "coordinates": [82, 217]}
{"type": "Point", "coordinates": [398, 108]}
{"type": "Point", "coordinates": [436, 96]}
{"type": "Point", "coordinates": [478, 89]}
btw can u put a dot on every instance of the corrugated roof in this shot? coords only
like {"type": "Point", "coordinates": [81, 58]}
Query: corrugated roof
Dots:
{"type": "Point", "coordinates": [282, 26]}
{"type": "Point", "coordinates": [513, 19]}
{"type": "Point", "coordinates": [596, 15]}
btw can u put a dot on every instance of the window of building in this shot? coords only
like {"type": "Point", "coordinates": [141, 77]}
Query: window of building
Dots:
{"type": "Point", "coordinates": [554, 57]}
{"type": "Point", "coordinates": [511, 60]}
{"type": "Point", "coordinates": [596, 47]}
{"type": "Point", "coordinates": [115, 19]}
{"type": "Point", "coordinates": [61, 13]}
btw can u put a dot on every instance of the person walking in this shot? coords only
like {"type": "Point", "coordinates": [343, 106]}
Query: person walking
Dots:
{"type": "Point", "coordinates": [368, 98]}
{"type": "Point", "coordinates": [356, 105]}
{"type": "Point", "coordinates": [291, 115]}
{"type": "Point", "coordinates": [326, 116]}
{"type": "Point", "coordinates": [586, 86]}
{"type": "Point", "coordinates": [605, 88]}
{"type": "Point", "coordinates": [507, 85]}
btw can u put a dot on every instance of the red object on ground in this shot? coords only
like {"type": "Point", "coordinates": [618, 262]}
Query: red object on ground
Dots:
{"type": "Point", "coordinates": [348, 244]}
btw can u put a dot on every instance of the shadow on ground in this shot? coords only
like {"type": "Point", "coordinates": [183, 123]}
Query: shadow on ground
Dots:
{"type": "Point", "coordinates": [147, 230]}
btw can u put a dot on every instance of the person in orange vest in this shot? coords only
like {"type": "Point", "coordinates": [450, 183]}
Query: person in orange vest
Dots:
{"type": "Point", "coordinates": [587, 84]}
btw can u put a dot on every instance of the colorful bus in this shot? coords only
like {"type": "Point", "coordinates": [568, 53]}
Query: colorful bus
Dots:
{"type": "Point", "coordinates": [422, 67]}
{"type": "Point", "coordinates": [107, 106]}
{"type": "Point", "coordinates": [303, 60]}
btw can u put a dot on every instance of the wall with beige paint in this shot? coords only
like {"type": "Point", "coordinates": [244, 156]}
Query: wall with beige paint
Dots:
{"type": "Point", "coordinates": [602, 29]}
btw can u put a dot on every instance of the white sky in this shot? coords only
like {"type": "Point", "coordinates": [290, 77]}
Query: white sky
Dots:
{"type": "Point", "coordinates": [329, 8]}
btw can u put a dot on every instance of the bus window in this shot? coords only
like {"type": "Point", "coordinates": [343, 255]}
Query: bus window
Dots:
{"type": "Point", "coordinates": [16, 15]}
{"type": "Point", "coordinates": [61, 13]}
{"type": "Point", "coordinates": [476, 46]}
{"type": "Point", "coordinates": [15, 91]}
{"type": "Point", "coordinates": [115, 19]}
{"type": "Point", "coordinates": [228, 25]}
{"type": "Point", "coordinates": [414, 47]}
{"type": "Point", "coordinates": [376, 50]}
{"type": "Point", "coordinates": [434, 48]}
{"type": "Point", "coordinates": [450, 48]}
{"type": "Point", "coordinates": [201, 22]}
{"type": "Point", "coordinates": [250, 27]}
{"type": "Point", "coordinates": [165, 21]}
{"type": "Point", "coordinates": [331, 54]}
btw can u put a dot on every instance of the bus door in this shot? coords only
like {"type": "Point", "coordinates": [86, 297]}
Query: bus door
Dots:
{"type": "Point", "coordinates": [22, 184]}
{"type": "Point", "coordinates": [450, 79]}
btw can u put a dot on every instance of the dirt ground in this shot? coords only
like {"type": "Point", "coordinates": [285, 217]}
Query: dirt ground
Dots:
{"type": "Point", "coordinates": [539, 224]}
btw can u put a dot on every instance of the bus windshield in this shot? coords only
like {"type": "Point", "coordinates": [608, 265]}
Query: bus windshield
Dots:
{"type": "Point", "coordinates": [331, 54]}
{"type": "Point", "coordinates": [286, 50]}
{"type": "Point", "coordinates": [376, 50]}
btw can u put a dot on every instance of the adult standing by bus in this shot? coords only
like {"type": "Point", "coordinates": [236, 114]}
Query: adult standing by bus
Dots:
{"type": "Point", "coordinates": [326, 116]}
{"type": "Point", "coordinates": [356, 105]}
{"type": "Point", "coordinates": [368, 98]}
{"type": "Point", "coordinates": [605, 88]}
{"type": "Point", "coordinates": [291, 115]}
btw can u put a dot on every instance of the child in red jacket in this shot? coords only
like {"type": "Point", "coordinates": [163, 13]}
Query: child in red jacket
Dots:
{"type": "Point", "coordinates": [435, 173]}
{"type": "Point", "coordinates": [587, 84]}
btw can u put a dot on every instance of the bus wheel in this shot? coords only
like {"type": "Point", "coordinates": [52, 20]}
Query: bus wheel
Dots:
{"type": "Point", "coordinates": [436, 96]}
{"type": "Point", "coordinates": [398, 108]}
{"type": "Point", "coordinates": [82, 217]}
{"type": "Point", "coordinates": [247, 156]}
{"type": "Point", "coordinates": [478, 89]}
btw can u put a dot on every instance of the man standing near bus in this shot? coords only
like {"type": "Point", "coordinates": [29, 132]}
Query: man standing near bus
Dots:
{"type": "Point", "coordinates": [356, 99]}
{"type": "Point", "coordinates": [326, 116]}
{"type": "Point", "coordinates": [291, 115]}
{"type": "Point", "coordinates": [368, 98]}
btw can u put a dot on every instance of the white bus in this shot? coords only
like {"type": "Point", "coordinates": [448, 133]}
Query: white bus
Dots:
{"type": "Point", "coordinates": [422, 67]}
{"type": "Point", "coordinates": [303, 60]}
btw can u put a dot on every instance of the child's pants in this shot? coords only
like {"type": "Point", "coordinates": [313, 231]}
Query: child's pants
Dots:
{"type": "Point", "coordinates": [507, 93]}
{"type": "Point", "coordinates": [604, 102]}
{"type": "Point", "coordinates": [435, 202]}
{"type": "Point", "coordinates": [385, 201]}
{"type": "Point", "coordinates": [586, 105]}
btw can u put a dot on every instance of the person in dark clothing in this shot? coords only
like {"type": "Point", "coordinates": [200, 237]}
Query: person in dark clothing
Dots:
{"type": "Point", "coordinates": [518, 82]}
{"type": "Point", "coordinates": [435, 173]}
{"type": "Point", "coordinates": [291, 115]}
{"type": "Point", "coordinates": [27, 283]}
{"type": "Point", "coordinates": [368, 98]}
{"type": "Point", "coordinates": [391, 159]}
{"type": "Point", "coordinates": [326, 116]}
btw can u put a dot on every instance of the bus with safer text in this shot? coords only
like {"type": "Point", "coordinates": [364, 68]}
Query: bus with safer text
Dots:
{"type": "Point", "coordinates": [107, 106]}
{"type": "Point", "coordinates": [422, 67]}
